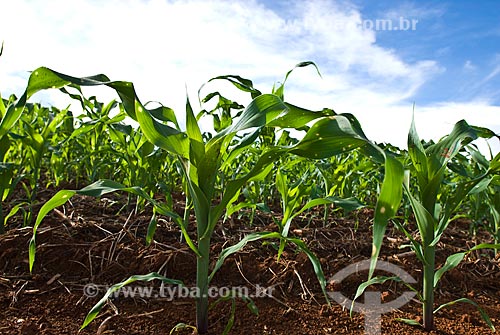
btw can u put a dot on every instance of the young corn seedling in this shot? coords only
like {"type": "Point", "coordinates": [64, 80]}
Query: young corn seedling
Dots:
{"type": "Point", "coordinates": [293, 197]}
{"type": "Point", "coordinates": [483, 205]}
{"type": "Point", "coordinates": [6, 169]}
{"type": "Point", "coordinates": [35, 141]}
{"type": "Point", "coordinates": [432, 215]}
{"type": "Point", "coordinates": [202, 159]}
{"type": "Point", "coordinates": [39, 129]}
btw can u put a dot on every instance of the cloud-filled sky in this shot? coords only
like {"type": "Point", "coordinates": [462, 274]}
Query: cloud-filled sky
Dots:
{"type": "Point", "coordinates": [441, 56]}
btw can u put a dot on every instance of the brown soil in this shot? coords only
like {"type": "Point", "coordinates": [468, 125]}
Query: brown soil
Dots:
{"type": "Point", "coordinates": [87, 242]}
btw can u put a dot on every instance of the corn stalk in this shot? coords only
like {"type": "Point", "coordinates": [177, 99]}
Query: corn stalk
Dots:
{"type": "Point", "coordinates": [429, 165]}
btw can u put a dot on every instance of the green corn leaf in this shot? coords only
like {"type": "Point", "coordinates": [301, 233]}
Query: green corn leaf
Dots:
{"type": "Point", "coordinates": [164, 114]}
{"type": "Point", "coordinates": [268, 110]}
{"type": "Point", "coordinates": [262, 110]}
{"type": "Point", "coordinates": [452, 203]}
{"type": "Point", "coordinates": [119, 133]}
{"type": "Point", "coordinates": [451, 262]}
{"type": "Point", "coordinates": [251, 305]}
{"type": "Point", "coordinates": [280, 90]}
{"type": "Point", "coordinates": [4, 147]}
{"type": "Point", "coordinates": [410, 322]}
{"type": "Point", "coordinates": [180, 223]}
{"type": "Point", "coordinates": [60, 198]}
{"type": "Point", "coordinates": [333, 135]}
{"type": "Point", "coordinates": [477, 157]}
{"type": "Point", "coordinates": [243, 84]}
{"type": "Point", "coordinates": [44, 78]}
{"type": "Point", "coordinates": [101, 187]}
{"type": "Point", "coordinates": [115, 120]}
{"type": "Point", "coordinates": [417, 247]}
{"type": "Point", "coordinates": [233, 209]}
{"type": "Point", "coordinates": [181, 326]}
{"type": "Point", "coordinates": [209, 166]}
{"type": "Point", "coordinates": [417, 154]}
{"type": "Point", "coordinates": [297, 117]}
{"type": "Point", "coordinates": [425, 221]}
{"type": "Point", "coordinates": [106, 111]}
{"type": "Point", "coordinates": [96, 189]}
{"type": "Point", "coordinates": [230, 322]}
{"type": "Point", "coordinates": [329, 136]}
{"type": "Point", "coordinates": [161, 135]}
{"type": "Point", "coordinates": [373, 281]}
{"type": "Point", "coordinates": [201, 206]}
{"type": "Point", "coordinates": [495, 163]}
{"type": "Point", "coordinates": [54, 124]}
{"type": "Point", "coordinates": [387, 205]}
{"type": "Point", "coordinates": [148, 277]}
{"type": "Point", "coordinates": [429, 193]}
{"type": "Point", "coordinates": [192, 127]}
{"type": "Point", "coordinates": [2, 107]}
{"type": "Point", "coordinates": [144, 148]}
{"type": "Point", "coordinates": [6, 174]}
{"type": "Point", "coordinates": [83, 129]}
{"type": "Point", "coordinates": [153, 223]}
{"type": "Point", "coordinates": [484, 246]}
{"type": "Point", "coordinates": [272, 235]}
{"type": "Point", "coordinates": [85, 103]}
{"type": "Point", "coordinates": [243, 144]}
{"type": "Point", "coordinates": [483, 313]}
{"type": "Point", "coordinates": [13, 211]}
{"type": "Point", "coordinates": [282, 186]}
{"type": "Point", "coordinates": [484, 132]}
{"type": "Point", "coordinates": [158, 133]}
{"type": "Point", "coordinates": [315, 263]}
{"type": "Point", "coordinates": [348, 204]}
{"type": "Point", "coordinates": [196, 144]}
{"type": "Point", "coordinates": [240, 245]}
{"type": "Point", "coordinates": [259, 171]}
{"type": "Point", "coordinates": [481, 185]}
{"type": "Point", "coordinates": [11, 116]}
{"type": "Point", "coordinates": [447, 148]}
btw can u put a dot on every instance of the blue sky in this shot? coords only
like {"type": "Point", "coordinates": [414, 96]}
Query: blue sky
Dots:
{"type": "Point", "coordinates": [449, 65]}
{"type": "Point", "coordinates": [463, 37]}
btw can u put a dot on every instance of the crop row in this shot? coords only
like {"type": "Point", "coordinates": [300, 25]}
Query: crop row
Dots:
{"type": "Point", "coordinates": [268, 153]}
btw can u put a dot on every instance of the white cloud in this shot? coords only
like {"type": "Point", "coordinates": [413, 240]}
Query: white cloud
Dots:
{"type": "Point", "coordinates": [163, 45]}
{"type": "Point", "coordinates": [469, 66]}
{"type": "Point", "coordinates": [495, 72]}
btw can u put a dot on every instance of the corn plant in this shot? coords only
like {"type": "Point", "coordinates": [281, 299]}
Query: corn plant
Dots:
{"type": "Point", "coordinates": [5, 170]}
{"type": "Point", "coordinates": [39, 127]}
{"type": "Point", "coordinates": [202, 159]}
{"type": "Point", "coordinates": [293, 196]}
{"type": "Point", "coordinates": [483, 205]}
{"type": "Point", "coordinates": [36, 141]}
{"type": "Point", "coordinates": [433, 209]}
{"type": "Point", "coordinates": [60, 164]}
{"type": "Point", "coordinates": [349, 175]}
{"type": "Point", "coordinates": [493, 199]}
